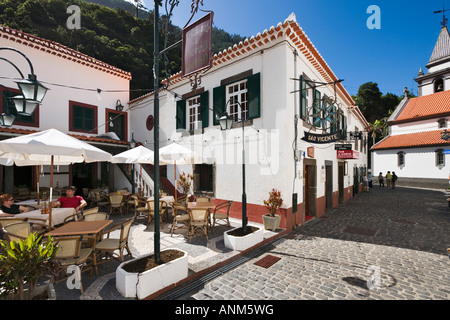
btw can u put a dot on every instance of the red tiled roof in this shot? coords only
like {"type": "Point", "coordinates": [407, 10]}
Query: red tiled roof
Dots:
{"type": "Point", "coordinates": [426, 106]}
{"type": "Point", "coordinates": [15, 131]}
{"type": "Point", "coordinates": [412, 140]}
{"type": "Point", "coordinates": [60, 50]}
{"type": "Point", "coordinates": [288, 30]}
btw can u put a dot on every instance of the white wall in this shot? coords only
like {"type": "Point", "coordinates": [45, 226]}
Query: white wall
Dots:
{"type": "Point", "coordinates": [419, 163]}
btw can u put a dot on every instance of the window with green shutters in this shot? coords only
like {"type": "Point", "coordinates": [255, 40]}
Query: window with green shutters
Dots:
{"type": "Point", "coordinates": [317, 110]}
{"type": "Point", "coordinates": [241, 99]}
{"type": "Point", "coordinates": [193, 111]}
{"type": "Point", "coordinates": [306, 98]}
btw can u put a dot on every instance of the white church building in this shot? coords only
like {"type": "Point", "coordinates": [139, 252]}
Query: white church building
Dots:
{"type": "Point", "coordinates": [414, 148]}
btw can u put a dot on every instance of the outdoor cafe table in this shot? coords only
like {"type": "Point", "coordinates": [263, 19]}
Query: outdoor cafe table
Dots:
{"type": "Point", "coordinates": [58, 215]}
{"type": "Point", "coordinates": [33, 202]}
{"type": "Point", "coordinates": [201, 205]}
{"type": "Point", "coordinates": [80, 228]}
{"type": "Point", "coordinates": [166, 199]}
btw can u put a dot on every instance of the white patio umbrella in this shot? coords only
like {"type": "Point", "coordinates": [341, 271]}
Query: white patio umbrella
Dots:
{"type": "Point", "coordinates": [177, 154]}
{"type": "Point", "coordinates": [140, 154]}
{"type": "Point", "coordinates": [50, 147]}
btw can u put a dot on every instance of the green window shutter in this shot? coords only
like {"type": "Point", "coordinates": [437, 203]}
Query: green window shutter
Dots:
{"type": "Point", "coordinates": [254, 96]}
{"type": "Point", "coordinates": [302, 98]}
{"type": "Point", "coordinates": [181, 114]}
{"type": "Point", "coordinates": [334, 119]}
{"type": "Point", "coordinates": [317, 97]}
{"type": "Point", "coordinates": [204, 109]}
{"type": "Point", "coordinates": [218, 104]}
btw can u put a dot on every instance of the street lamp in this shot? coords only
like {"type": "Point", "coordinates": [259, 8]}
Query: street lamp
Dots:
{"type": "Point", "coordinates": [226, 122]}
{"type": "Point", "coordinates": [6, 120]}
{"type": "Point", "coordinates": [33, 91]}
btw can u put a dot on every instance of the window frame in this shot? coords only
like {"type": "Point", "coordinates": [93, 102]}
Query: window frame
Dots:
{"type": "Point", "coordinates": [401, 159]}
{"type": "Point", "coordinates": [73, 104]}
{"type": "Point", "coordinates": [439, 154]}
{"type": "Point", "coordinates": [113, 113]}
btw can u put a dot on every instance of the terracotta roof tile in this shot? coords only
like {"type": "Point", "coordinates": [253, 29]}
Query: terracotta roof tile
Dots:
{"type": "Point", "coordinates": [412, 140]}
{"type": "Point", "coordinates": [15, 131]}
{"type": "Point", "coordinates": [425, 106]}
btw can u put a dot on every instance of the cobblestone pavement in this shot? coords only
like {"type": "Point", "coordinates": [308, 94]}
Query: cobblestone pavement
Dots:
{"type": "Point", "coordinates": [383, 245]}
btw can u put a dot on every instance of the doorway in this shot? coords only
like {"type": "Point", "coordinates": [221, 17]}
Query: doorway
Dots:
{"type": "Point", "coordinates": [328, 184]}
{"type": "Point", "coordinates": [83, 176]}
{"type": "Point", "coordinates": [341, 170]}
{"type": "Point", "coordinates": [310, 187]}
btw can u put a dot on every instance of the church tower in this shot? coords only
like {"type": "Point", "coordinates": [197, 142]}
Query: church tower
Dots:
{"type": "Point", "coordinates": [437, 78]}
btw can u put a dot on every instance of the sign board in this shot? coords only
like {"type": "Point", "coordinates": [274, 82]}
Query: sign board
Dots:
{"type": "Point", "coordinates": [446, 151]}
{"type": "Point", "coordinates": [343, 146]}
{"type": "Point", "coordinates": [347, 154]}
{"type": "Point", "coordinates": [197, 45]}
{"type": "Point", "coordinates": [310, 152]}
{"type": "Point", "coordinates": [322, 138]}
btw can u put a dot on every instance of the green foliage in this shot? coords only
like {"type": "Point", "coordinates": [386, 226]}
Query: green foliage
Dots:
{"type": "Point", "coordinates": [373, 104]}
{"type": "Point", "coordinates": [24, 262]}
{"type": "Point", "coordinates": [109, 32]}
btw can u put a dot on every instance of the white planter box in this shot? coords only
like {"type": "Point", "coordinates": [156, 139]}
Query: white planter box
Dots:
{"type": "Point", "coordinates": [245, 242]}
{"type": "Point", "coordinates": [141, 285]}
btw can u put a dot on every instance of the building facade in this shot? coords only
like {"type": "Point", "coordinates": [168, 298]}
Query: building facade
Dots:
{"type": "Point", "coordinates": [82, 100]}
{"type": "Point", "coordinates": [296, 113]}
{"type": "Point", "coordinates": [414, 148]}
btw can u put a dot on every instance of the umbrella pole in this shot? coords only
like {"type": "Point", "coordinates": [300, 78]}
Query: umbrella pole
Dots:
{"type": "Point", "coordinates": [140, 181]}
{"type": "Point", "coordinates": [37, 184]}
{"type": "Point", "coordinates": [175, 183]}
{"type": "Point", "coordinates": [51, 191]}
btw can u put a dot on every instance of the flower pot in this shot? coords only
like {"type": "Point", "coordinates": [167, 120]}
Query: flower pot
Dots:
{"type": "Point", "coordinates": [241, 243]}
{"type": "Point", "coordinates": [141, 285]}
{"type": "Point", "coordinates": [271, 223]}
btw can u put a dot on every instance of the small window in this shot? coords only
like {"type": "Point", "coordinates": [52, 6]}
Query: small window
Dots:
{"type": "Point", "coordinates": [442, 123]}
{"type": "Point", "coordinates": [82, 117]}
{"type": "Point", "coordinates": [401, 159]}
{"type": "Point", "coordinates": [440, 158]}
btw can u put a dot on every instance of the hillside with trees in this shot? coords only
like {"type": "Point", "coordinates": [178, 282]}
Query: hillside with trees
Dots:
{"type": "Point", "coordinates": [112, 35]}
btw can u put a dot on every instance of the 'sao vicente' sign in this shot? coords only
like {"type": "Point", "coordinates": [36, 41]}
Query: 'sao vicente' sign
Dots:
{"type": "Point", "coordinates": [197, 45]}
{"type": "Point", "coordinates": [322, 138]}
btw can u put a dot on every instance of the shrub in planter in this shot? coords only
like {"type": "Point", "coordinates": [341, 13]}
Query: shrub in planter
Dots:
{"type": "Point", "coordinates": [271, 219]}
{"type": "Point", "coordinates": [22, 263]}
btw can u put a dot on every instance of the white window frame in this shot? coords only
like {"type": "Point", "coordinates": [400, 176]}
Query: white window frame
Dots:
{"type": "Point", "coordinates": [440, 155]}
{"type": "Point", "coordinates": [193, 117]}
{"type": "Point", "coordinates": [401, 159]}
{"type": "Point", "coordinates": [237, 92]}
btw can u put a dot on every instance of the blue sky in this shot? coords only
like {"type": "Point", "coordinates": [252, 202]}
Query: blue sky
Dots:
{"type": "Point", "coordinates": [390, 56]}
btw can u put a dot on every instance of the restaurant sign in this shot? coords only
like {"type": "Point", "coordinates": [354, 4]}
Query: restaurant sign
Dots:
{"type": "Point", "coordinates": [197, 45]}
{"type": "Point", "coordinates": [322, 138]}
{"type": "Point", "coordinates": [347, 154]}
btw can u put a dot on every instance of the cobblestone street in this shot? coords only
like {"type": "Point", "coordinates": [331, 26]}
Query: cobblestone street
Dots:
{"type": "Point", "coordinates": [384, 245]}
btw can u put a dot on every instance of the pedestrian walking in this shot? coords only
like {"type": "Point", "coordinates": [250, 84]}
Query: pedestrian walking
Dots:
{"type": "Point", "coordinates": [366, 182]}
{"type": "Point", "coordinates": [381, 179]}
{"type": "Point", "coordinates": [370, 176]}
{"type": "Point", "coordinates": [388, 179]}
{"type": "Point", "coordinates": [394, 179]}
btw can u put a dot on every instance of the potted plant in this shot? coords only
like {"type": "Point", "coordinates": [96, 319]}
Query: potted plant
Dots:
{"type": "Point", "coordinates": [271, 219]}
{"type": "Point", "coordinates": [185, 182]}
{"type": "Point", "coordinates": [22, 263]}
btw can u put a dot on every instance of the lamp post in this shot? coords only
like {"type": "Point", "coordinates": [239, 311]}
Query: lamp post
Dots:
{"type": "Point", "coordinates": [33, 92]}
{"type": "Point", "coordinates": [132, 145]}
{"type": "Point", "coordinates": [226, 122]}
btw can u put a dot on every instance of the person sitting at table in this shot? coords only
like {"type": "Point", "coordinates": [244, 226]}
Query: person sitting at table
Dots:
{"type": "Point", "coordinates": [8, 206]}
{"type": "Point", "coordinates": [70, 200]}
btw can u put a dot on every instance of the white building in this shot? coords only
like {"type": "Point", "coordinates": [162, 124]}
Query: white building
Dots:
{"type": "Point", "coordinates": [414, 149]}
{"type": "Point", "coordinates": [261, 80]}
{"type": "Point", "coordinates": [72, 105]}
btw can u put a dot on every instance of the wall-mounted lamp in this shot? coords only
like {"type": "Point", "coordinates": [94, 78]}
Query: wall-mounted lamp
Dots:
{"type": "Point", "coordinates": [445, 135]}
{"type": "Point", "coordinates": [119, 106]}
